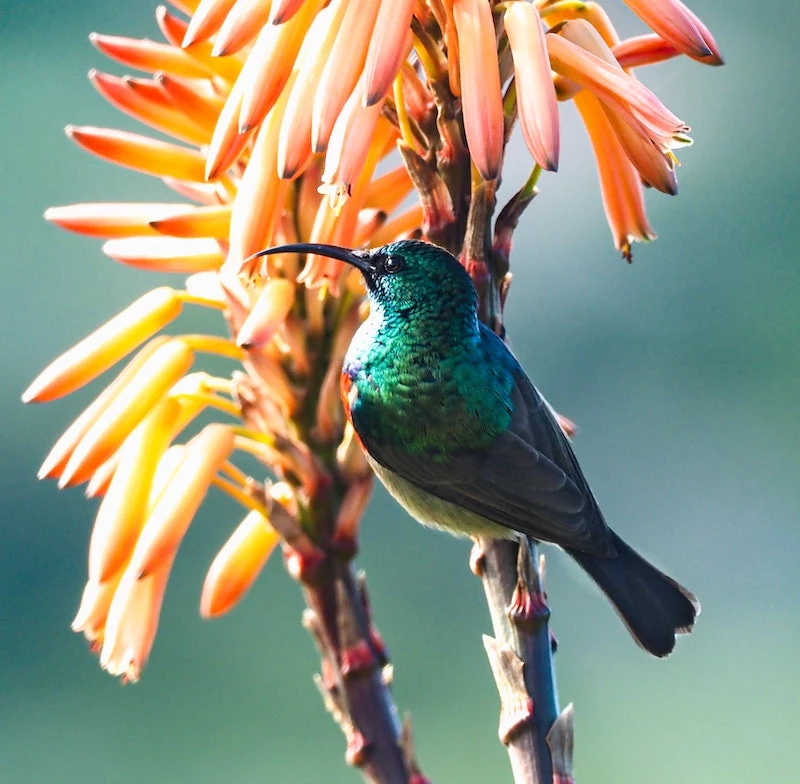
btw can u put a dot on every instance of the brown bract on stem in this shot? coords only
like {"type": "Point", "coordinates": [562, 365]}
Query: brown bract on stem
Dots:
{"type": "Point", "coordinates": [343, 123]}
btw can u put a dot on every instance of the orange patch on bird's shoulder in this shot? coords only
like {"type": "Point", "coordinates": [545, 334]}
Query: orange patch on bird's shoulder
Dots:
{"type": "Point", "coordinates": [348, 393]}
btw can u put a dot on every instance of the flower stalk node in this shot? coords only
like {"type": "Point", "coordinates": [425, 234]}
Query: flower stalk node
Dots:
{"type": "Point", "coordinates": [477, 558]}
{"type": "Point", "coordinates": [516, 705]}
{"type": "Point", "coordinates": [528, 609]}
{"type": "Point", "coordinates": [357, 660]}
{"type": "Point", "coordinates": [343, 546]}
{"type": "Point", "coordinates": [561, 741]}
{"type": "Point", "coordinates": [357, 749]}
{"type": "Point", "coordinates": [302, 566]}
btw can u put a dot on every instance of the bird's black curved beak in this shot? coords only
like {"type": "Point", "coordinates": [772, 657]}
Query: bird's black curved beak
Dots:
{"type": "Point", "coordinates": [355, 258]}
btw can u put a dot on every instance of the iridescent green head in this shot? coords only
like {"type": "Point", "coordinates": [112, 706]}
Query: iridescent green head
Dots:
{"type": "Point", "coordinates": [402, 274]}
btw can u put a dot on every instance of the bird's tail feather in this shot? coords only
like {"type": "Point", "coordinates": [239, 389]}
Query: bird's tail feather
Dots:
{"type": "Point", "coordinates": [653, 606]}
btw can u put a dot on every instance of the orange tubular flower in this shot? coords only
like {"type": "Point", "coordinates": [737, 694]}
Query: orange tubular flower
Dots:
{"type": "Point", "coordinates": [294, 143]}
{"type": "Point", "coordinates": [643, 50]}
{"type": "Point", "coordinates": [241, 26]}
{"type": "Point", "coordinates": [388, 48]}
{"type": "Point", "coordinates": [342, 68]}
{"type": "Point", "coordinates": [238, 564]}
{"type": "Point", "coordinates": [132, 621]}
{"type": "Point", "coordinates": [166, 254]}
{"type": "Point", "coordinates": [178, 502]}
{"type": "Point", "coordinates": [675, 23]}
{"type": "Point", "coordinates": [121, 515]}
{"type": "Point", "coordinates": [106, 346]}
{"type": "Point", "coordinates": [270, 311]}
{"type": "Point", "coordinates": [261, 193]}
{"type": "Point", "coordinates": [481, 97]}
{"type": "Point", "coordinates": [159, 372]}
{"type": "Point", "coordinates": [111, 220]}
{"type": "Point", "coordinates": [348, 146]}
{"type": "Point", "coordinates": [620, 185]}
{"type": "Point", "coordinates": [651, 130]}
{"type": "Point", "coordinates": [536, 96]}
{"type": "Point", "coordinates": [270, 64]}
{"type": "Point", "coordinates": [151, 156]}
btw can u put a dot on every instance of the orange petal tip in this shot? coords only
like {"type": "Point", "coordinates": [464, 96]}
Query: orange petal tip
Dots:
{"type": "Point", "coordinates": [237, 565]}
{"type": "Point", "coordinates": [174, 510]}
{"type": "Point", "coordinates": [481, 96]}
{"type": "Point", "coordinates": [157, 374]}
{"type": "Point", "coordinates": [97, 352]}
{"type": "Point", "coordinates": [269, 312]}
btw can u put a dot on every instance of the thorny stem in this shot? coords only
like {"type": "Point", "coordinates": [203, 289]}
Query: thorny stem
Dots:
{"type": "Point", "coordinates": [355, 676]}
{"type": "Point", "coordinates": [538, 740]}
{"type": "Point", "coordinates": [520, 656]}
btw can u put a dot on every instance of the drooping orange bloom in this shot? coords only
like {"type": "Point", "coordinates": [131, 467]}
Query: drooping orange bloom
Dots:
{"type": "Point", "coordinates": [536, 96]}
{"type": "Point", "coordinates": [620, 185]}
{"type": "Point", "coordinates": [481, 96]}
{"type": "Point", "coordinates": [675, 23]}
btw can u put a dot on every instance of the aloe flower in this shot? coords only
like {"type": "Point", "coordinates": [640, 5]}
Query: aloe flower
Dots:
{"type": "Point", "coordinates": [313, 121]}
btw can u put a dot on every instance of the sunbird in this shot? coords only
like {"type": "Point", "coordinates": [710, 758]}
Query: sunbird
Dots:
{"type": "Point", "coordinates": [460, 436]}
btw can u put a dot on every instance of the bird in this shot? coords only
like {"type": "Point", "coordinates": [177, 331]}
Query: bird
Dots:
{"type": "Point", "coordinates": [459, 435]}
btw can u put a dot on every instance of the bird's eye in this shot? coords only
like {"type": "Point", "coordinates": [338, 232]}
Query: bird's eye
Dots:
{"type": "Point", "coordinates": [393, 264]}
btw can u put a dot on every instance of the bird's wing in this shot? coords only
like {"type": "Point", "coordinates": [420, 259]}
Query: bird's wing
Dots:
{"type": "Point", "coordinates": [527, 478]}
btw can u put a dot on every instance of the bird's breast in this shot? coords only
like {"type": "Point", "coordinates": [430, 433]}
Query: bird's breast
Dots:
{"type": "Point", "coordinates": [424, 395]}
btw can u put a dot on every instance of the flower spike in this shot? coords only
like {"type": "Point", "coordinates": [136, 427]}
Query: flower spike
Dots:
{"type": "Point", "coordinates": [279, 118]}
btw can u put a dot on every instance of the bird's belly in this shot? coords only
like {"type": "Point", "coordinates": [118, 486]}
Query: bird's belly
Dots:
{"type": "Point", "coordinates": [436, 512]}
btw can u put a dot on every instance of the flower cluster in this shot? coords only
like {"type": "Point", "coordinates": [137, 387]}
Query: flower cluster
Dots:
{"type": "Point", "coordinates": [286, 118]}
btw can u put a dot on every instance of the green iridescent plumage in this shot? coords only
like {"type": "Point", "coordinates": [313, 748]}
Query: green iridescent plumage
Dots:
{"type": "Point", "coordinates": [427, 377]}
{"type": "Point", "coordinates": [464, 441]}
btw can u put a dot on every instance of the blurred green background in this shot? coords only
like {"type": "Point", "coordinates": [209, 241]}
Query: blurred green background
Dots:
{"type": "Point", "coordinates": [681, 370]}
